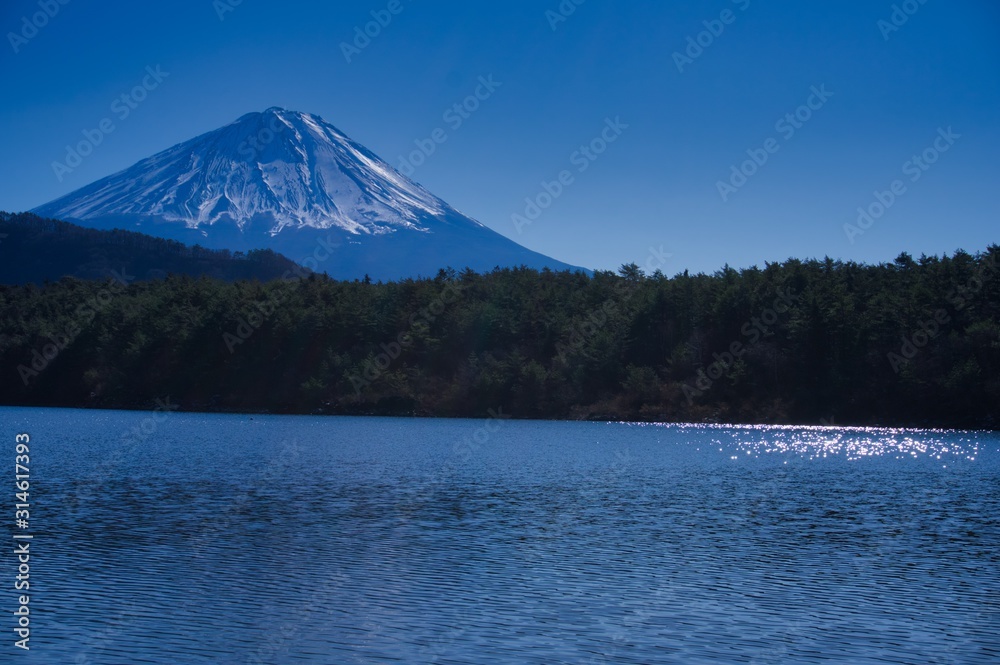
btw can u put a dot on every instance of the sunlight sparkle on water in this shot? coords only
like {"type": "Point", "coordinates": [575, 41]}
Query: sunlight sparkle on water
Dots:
{"type": "Point", "coordinates": [851, 443]}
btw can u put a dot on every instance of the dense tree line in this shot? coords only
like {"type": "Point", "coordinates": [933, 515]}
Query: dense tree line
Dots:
{"type": "Point", "coordinates": [912, 342]}
{"type": "Point", "coordinates": [36, 249]}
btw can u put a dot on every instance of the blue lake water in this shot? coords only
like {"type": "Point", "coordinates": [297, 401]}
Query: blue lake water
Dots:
{"type": "Point", "coordinates": [189, 538]}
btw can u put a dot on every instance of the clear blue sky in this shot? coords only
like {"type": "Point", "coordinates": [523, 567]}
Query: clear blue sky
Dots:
{"type": "Point", "coordinates": [655, 185]}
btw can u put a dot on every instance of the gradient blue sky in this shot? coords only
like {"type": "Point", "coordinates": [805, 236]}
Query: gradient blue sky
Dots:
{"type": "Point", "coordinates": [656, 186]}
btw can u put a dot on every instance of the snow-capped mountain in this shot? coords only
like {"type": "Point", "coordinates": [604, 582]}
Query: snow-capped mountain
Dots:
{"type": "Point", "coordinates": [293, 183]}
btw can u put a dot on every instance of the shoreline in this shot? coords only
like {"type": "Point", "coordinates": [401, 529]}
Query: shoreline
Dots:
{"type": "Point", "coordinates": [592, 418]}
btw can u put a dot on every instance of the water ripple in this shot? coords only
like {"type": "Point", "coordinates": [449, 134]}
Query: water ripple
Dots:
{"type": "Point", "coordinates": [374, 542]}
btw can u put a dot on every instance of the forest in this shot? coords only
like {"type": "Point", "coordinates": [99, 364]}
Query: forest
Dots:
{"type": "Point", "coordinates": [36, 249]}
{"type": "Point", "coordinates": [912, 342]}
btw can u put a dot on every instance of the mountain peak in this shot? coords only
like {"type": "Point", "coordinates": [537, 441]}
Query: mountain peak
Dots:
{"type": "Point", "coordinates": [270, 178]}
{"type": "Point", "coordinates": [291, 167]}
{"type": "Point", "coordinates": [255, 115]}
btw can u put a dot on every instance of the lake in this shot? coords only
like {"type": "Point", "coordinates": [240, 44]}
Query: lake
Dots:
{"type": "Point", "coordinates": [191, 538]}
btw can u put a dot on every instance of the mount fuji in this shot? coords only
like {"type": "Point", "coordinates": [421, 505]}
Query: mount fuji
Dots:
{"type": "Point", "coordinates": [295, 184]}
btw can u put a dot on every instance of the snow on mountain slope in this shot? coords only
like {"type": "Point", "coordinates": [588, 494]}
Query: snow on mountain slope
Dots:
{"type": "Point", "coordinates": [281, 179]}
{"type": "Point", "coordinates": [291, 165]}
